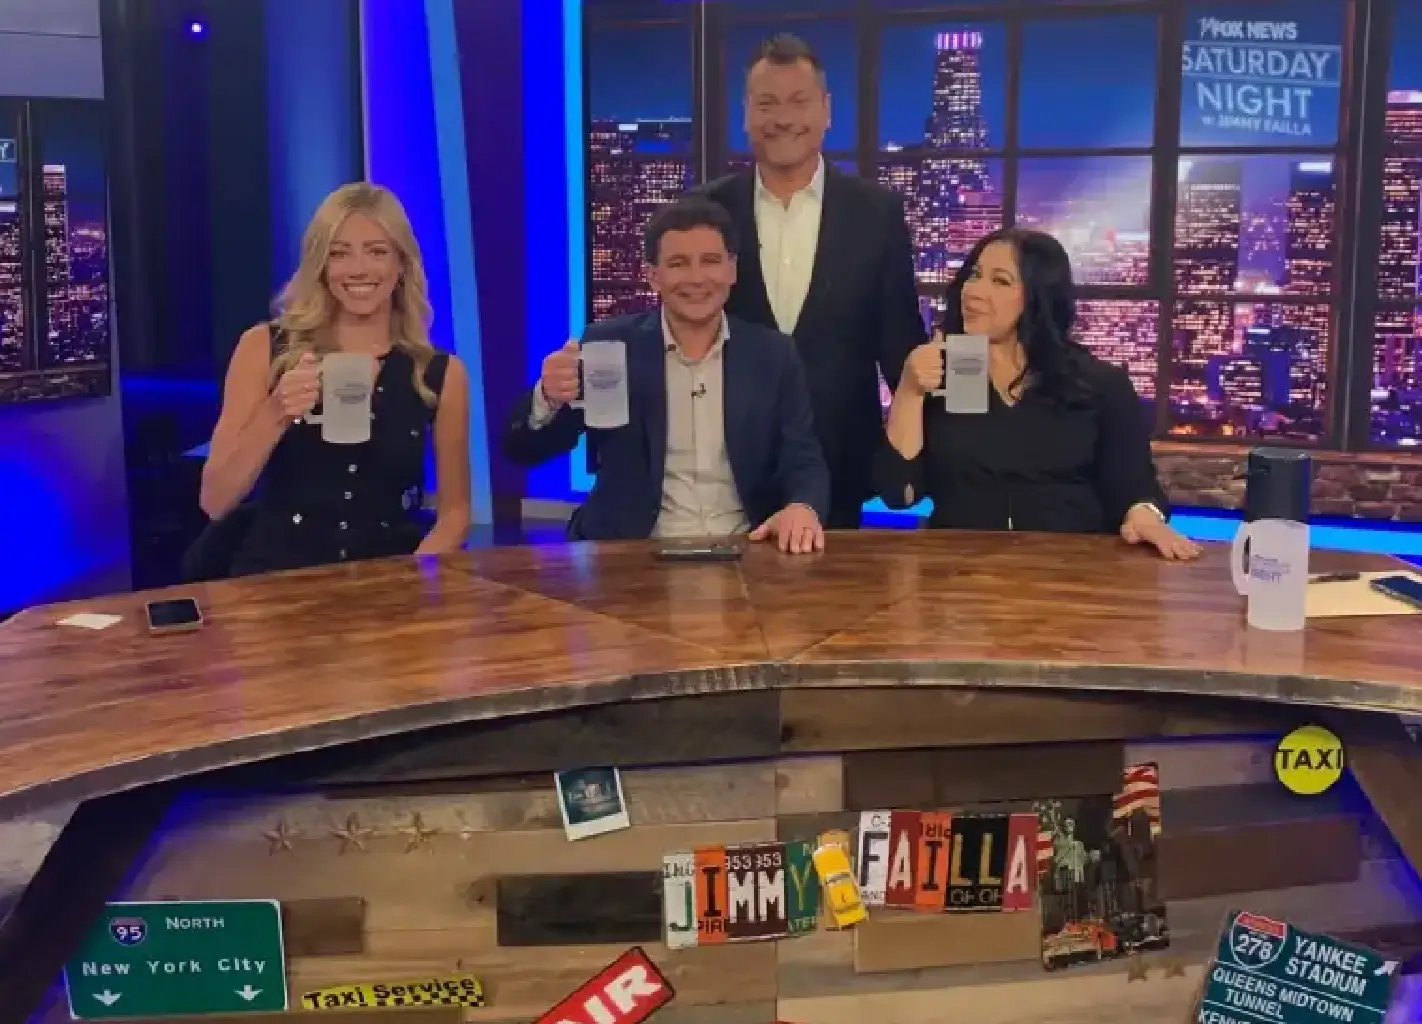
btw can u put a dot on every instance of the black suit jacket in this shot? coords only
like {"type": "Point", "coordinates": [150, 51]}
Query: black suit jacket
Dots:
{"type": "Point", "coordinates": [770, 438]}
{"type": "Point", "coordinates": [861, 313]}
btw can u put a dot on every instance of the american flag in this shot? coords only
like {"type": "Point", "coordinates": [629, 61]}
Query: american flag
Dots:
{"type": "Point", "coordinates": [1044, 851]}
{"type": "Point", "coordinates": [1140, 792]}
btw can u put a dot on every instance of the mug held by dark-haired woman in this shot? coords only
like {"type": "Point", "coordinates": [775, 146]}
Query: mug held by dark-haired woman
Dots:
{"type": "Point", "coordinates": [1063, 447]}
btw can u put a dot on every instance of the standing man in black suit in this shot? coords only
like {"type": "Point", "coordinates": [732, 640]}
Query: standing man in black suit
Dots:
{"type": "Point", "coordinates": [827, 260]}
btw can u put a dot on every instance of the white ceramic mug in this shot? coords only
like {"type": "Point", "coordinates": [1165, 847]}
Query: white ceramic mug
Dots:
{"type": "Point", "coordinates": [965, 372]}
{"type": "Point", "coordinates": [347, 385]}
{"type": "Point", "coordinates": [1269, 562]}
{"type": "Point", "coordinates": [604, 402]}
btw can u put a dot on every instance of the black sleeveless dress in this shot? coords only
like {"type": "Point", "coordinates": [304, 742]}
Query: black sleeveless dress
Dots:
{"type": "Point", "coordinates": [318, 503]}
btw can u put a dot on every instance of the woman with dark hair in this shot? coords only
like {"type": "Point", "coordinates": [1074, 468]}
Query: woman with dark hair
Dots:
{"type": "Point", "coordinates": [1063, 447]}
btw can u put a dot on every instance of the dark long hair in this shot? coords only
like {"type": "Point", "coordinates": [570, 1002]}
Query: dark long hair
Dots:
{"type": "Point", "coordinates": [1054, 361]}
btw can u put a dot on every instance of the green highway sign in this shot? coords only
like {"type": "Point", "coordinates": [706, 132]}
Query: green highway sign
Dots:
{"type": "Point", "coordinates": [179, 958]}
{"type": "Point", "coordinates": [1269, 972]}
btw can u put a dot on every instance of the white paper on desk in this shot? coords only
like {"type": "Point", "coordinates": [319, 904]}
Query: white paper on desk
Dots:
{"type": "Point", "coordinates": [1356, 598]}
{"type": "Point", "coordinates": [90, 620]}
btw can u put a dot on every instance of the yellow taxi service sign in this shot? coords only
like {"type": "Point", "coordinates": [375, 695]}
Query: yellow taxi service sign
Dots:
{"type": "Point", "coordinates": [1309, 760]}
{"type": "Point", "coordinates": [459, 990]}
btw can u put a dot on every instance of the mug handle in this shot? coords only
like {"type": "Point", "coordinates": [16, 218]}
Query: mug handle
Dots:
{"type": "Point", "coordinates": [314, 417]}
{"type": "Point", "coordinates": [1239, 558]}
{"type": "Point", "coordinates": [580, 403]}
{"type": "Point", "coordinates": [940, 342]}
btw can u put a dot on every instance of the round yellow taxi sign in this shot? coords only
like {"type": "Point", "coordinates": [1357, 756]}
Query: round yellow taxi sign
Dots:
{"type": "Point", "coordinates": [1309, 760]}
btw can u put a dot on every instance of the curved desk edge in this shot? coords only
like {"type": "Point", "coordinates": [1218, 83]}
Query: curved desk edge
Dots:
{"type": "Point", "coordinates": [1142, 681]}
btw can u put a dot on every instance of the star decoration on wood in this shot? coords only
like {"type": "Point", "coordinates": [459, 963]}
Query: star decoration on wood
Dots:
{"type": "Point", "coordinates": [279, 837]}
{"type": "Point", "coordinates": [1136, 969]}
{"type": "Point", "coordinates": [417, 833]}
{"type": "Point", "coordinates": [352, 834]}
{"type": "Point", "coordinates": [1175, 968]}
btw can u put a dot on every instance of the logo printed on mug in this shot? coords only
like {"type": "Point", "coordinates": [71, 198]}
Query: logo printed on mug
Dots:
{"type": "Point", "coordinates": [601, 378]}
{"type": "Point", "coordinates": [351, 394]}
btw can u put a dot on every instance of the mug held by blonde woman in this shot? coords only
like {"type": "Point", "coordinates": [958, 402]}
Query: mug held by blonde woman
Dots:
{"type": "Point", "coordinates": [347, 380]}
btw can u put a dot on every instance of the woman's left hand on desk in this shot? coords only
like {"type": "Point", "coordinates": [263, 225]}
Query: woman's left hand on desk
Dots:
{"type": "Point", "coordinates": [1144, 527]}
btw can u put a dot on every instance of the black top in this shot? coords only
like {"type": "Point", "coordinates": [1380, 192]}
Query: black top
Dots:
{"type": "Point", "coordinates": [1032, 465]}
{"type": "Point", "coordinates": [319, 503]}
{"type": "Point", "coordinates": [861, 315]}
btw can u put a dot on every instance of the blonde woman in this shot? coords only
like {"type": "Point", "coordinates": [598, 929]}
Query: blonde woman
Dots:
{"type": "Point", "coordinates": [360, 288]}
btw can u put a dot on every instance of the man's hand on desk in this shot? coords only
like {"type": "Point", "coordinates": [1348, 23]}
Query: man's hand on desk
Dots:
{"type": "Point", "coordinates": [795, 529]}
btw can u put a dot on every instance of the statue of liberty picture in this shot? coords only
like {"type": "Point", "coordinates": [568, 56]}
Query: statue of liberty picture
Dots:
{"type": "Point", "coordinates": [1096, 857]}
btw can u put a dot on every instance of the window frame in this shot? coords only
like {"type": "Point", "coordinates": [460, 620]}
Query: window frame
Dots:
{"type": "Point", "coordinates": [1357, 156]}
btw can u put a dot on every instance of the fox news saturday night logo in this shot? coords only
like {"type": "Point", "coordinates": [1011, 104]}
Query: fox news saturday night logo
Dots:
{"type": "Point", "coordinates": [1266, 79]}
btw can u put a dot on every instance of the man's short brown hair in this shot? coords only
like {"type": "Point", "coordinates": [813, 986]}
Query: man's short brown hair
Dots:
{"type": "Point", "coordinates": [784, 49]}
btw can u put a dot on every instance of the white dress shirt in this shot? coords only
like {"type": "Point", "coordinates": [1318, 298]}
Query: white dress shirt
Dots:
{"type": "Point", "coordinates": [789, 235]}
{"type": "Point", "coordinates": [699, 496]}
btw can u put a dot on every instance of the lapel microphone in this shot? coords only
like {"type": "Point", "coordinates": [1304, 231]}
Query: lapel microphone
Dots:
{"type": "Point", "coordinates": [700, 391]}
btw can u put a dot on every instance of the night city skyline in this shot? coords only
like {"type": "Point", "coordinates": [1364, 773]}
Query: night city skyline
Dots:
{"type": "Point", "coordinates": [1254, 234]}
{"type": "Point", "coordinates": [1396, 395]}
{"type": "Point", "coordinates": [70, 356]}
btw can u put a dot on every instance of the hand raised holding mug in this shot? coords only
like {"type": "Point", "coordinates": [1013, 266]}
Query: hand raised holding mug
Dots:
{"type": "Point", "coordinates": [560, 378]}
{"type": "Point", "coordinates": [925, 369]}
{"type": "Point", "coordinates": [299, 388]}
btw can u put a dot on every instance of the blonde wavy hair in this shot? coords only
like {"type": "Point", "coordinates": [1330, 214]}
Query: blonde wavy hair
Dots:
{"type": "Point", "coordinates": [305, 308]}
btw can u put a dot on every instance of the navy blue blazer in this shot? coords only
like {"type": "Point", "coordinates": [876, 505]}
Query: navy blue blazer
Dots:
{"type": "Point", "coordinates": [770, 435]}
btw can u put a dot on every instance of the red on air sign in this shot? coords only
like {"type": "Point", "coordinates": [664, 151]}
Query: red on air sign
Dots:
{"type": "Point", "coordinates": [626, 991]}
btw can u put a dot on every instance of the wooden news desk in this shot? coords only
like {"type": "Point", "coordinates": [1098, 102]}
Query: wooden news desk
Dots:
{"type": "Point", "coordinates": [372, 745]}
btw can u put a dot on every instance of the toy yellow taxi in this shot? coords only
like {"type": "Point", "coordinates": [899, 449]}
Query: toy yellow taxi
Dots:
{"type": "Point", "coordinates": [841, 891]}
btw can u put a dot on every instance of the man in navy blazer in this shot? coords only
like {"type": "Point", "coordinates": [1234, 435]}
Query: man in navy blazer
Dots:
{"type": "Point", "coordinates": [720, 439]}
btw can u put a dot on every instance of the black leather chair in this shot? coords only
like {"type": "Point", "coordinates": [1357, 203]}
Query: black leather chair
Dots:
{"type": "Point", "coordinates": [210, 556]}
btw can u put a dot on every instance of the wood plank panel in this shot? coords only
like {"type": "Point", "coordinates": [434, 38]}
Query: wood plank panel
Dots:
{"type": "Point", "coordinates": [809, 826]}
{"type": "Point", "coordinates": [446, 883]}
{"type": "Point", "coordinates": [392, 1015]}
{"type": "Point", "coordinates": [655, 796]}
{"type": "Point", "coordinates": [949, 777]}
{"type": "Point", "coordinates": [576, 910]}
{"type": "Point", "coordinates": [333, 926]}
{"type": "Point", "coordinates": [1078, 996]}
{"type": "Point", "coordinates": [523, 982]}
{"type": "Point", "coordinates": [1386, 894]}
{"type": "Point", "coordinates": [1208, 763]}
{"type": "Point", "coordinates": [817, 720]}
{"type": "Point", "coordinates": [1188, 810]}
{"type": "Point", "coordinates": [1387, 765]}
{"type": "Point", "coordinates": [903, 941]}
{"type": "Point", "coordinates": [1277, 855]}
{"type": "Point", "coordinates": [809, 785]}
{"type": "Point", "coordinates": [678, 730]}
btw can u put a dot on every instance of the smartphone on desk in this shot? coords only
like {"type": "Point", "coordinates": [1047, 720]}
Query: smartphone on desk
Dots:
{"type": "Point", "coordinates": [1404, 588]}
{"type": "Point", "coordinates": [178, 615]}
{"type": "Point", "coordinates": [699, 551]}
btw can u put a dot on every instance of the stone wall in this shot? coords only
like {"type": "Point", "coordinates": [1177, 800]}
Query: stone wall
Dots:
{"type": "Point", "coordinates": [1370, 486]}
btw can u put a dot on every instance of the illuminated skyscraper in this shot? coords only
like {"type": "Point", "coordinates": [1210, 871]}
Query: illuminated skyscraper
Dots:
{"type": "Point", "coordinates": [1308, 270]}
{"type": "Point", "coordinates": [59, 309]}
{"type": "Point", "coordinates": [1123, 333]}
{"type": "Point", "coordinates": [1207, 234]}
{"type": "Point", "coordinates": [1396, 349]}
{"type": "Point", "coordinates": [633, 168]}
{"type": "Point", "coordinates": [951, 199]}
{"type": "Point", "coordinates": [955, 120]}
{"type": "Point", "coordinates": [13, 357]}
